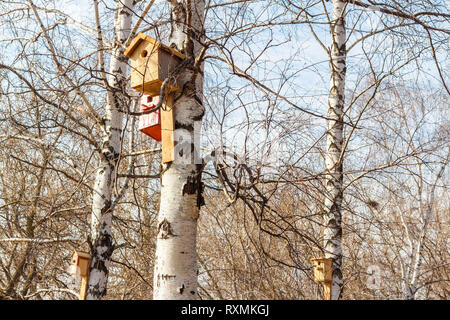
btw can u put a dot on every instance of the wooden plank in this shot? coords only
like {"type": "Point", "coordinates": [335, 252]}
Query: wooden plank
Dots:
{"type": "Point", "coordinates": [167, 146]}
{"type": "Point", "coordinates": [167, 128]}
{"type": "Point", "coordinates": [153, 88]}
{"type": "Point", "coordinates": [83, 288]}
{"type": "Point", "coordinates": [83, 264]}
{"type": "Point", "coordinates": [327, 291]}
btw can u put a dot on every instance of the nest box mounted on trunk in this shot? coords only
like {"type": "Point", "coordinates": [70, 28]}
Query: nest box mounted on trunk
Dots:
{"type": "Point", "coordinates": [80, 262]}
{"type": "Point", "coordinates": [323, 272]}
{"type": "Point", "coordinates": [151, 63]}
{"type": "Point", "coordinates": [323, 269]}
{"type": "Point", "coordinates": [159, 123]}
{"type": "Point", "coordinates": [150, 123]}
{"type": "Point", "coordinates": [79, 265]}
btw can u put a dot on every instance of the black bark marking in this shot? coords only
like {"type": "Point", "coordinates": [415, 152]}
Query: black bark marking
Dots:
{"type": "Point", "coordinates": [194, 185]}
{"type": "Point", "coordinates": [104, 240]}
{"type": "Point", "coordinates": [188, 127]}
{"type": "Point", "coordinates": [190, 187]}
{"type": "Point", "coordinates": [164, 229]}
{"type": "Point", "coordinates": [189, 45]}
{"type": "Point", "coordinates": [181, 289]}
{"type": "Point", "coordinates": [99, 261]}
{"type": "Point", "coordinates": [163, 169]}
{"type": "Point", "coordinates": [125, 12]}
{"type": "Point", "coordinates": [166, 276]}
{"type": "Point", "coordinates": [106, 208]}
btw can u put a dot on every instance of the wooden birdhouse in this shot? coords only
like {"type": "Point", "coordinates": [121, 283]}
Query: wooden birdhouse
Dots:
{"type": "Point", "coordinates": [150, 123]}
{"type": "Point", "coordinates": [159, 124]}
{"type": "Point", "coordinates": [151, 63]}
{"type": "Point", "coordinates": [323, 269]}
{"type": "Point", "coordinates": [80, 261]}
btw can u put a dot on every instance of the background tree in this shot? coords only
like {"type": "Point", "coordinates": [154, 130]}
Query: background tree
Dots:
{"type": "Point", "coordinates": [264, 92]}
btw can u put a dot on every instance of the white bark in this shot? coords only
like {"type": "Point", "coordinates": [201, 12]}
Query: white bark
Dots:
{"type": "Point", "coordinates": [101, 217]}
{"type": "Point", "coordinates": [333, 158]}
{"type": "Point", "coordinates": [411, 286]}
{"type": "Point", "coordinates": [175, 274]}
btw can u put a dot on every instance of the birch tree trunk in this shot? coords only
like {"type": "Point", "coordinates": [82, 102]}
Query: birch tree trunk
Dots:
{"type": "Point", "coordinates": [333, 157]}
{"type": "Point", "coordinates": [414, 267]}
{"type": "Point", "coordinates": [101, 216]}
{"type": "Point", "coordinates": [175, 273]}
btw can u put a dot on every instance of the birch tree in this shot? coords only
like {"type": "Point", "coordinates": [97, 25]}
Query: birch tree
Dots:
{"type": "Point", "coordinates": [412, 269]}
{"type": "Point", "coordinates": [175, 275]}
{"type": "Point", "coordinates": [333, 157]}
{"type": "Point", "coordinates": [102, 210]}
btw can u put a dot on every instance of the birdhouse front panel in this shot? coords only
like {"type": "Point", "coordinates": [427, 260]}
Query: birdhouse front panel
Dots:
{"type": "Point", "coordinates": [84, 266]}
{"type": "Point", "coordinates": [323, 269]}
{"type": "Point", "coordinates": [151, 63]}
{"type": "Point", "coordinates": [80, 261]}
{"type": "Point", "coordinates": [150, 123]}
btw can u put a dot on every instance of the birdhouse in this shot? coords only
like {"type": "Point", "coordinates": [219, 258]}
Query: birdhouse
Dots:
{"type": "Point", "coordinates": [150, 123]}
{"type": "Point", "coordinates": [159, 124]}
{"type": "Point", "coordinates": [80, 261]}
{"type": "Point", "coordinates": [323, 269]}
{"type": "Point", "coordinates": [151, 63]}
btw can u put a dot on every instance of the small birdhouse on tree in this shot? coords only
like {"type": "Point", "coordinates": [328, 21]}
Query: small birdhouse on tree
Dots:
{"type": "Point", "coordinates": [151, 63]}
{"type": "Point", "coordinates": [159, 124]}
{"type": "Point", "coordinates": [80, 263]}
{"type": "Point", "coordinates": [323, 269]}
{"type": "Point", "coordinates": [79, 266]}
{"type": "Point", "coordinates": [150, 123]}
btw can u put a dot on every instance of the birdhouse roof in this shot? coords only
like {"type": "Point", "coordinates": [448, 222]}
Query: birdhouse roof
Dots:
{"type": "Point", "coordinates": [140, 38]}
{"type": "Point", "coordinates": [81, 254]}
